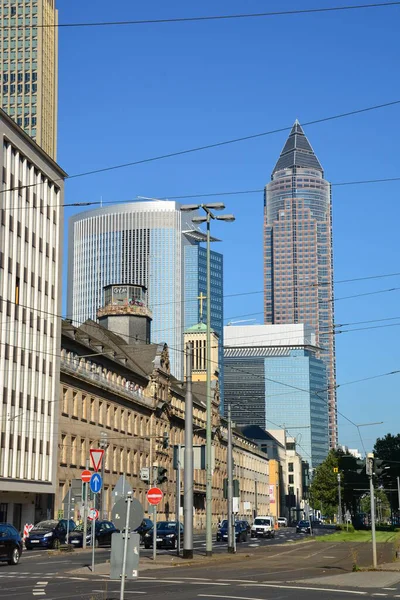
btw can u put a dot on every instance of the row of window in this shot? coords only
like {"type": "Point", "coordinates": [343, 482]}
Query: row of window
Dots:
{"type": "Point", "coordinates": [20, 88]}
{"type": "Point", "coordinates": [19, 77]}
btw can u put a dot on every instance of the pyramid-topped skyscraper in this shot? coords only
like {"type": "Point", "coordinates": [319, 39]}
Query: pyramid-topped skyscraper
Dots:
{"type": "Point", "coordinates": [298, 265]}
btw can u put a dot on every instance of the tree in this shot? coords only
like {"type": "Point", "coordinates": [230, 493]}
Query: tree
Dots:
{"type": "Point", "coordinates": [388, 448]}
{"type": "Point", "coordinates": [382, 506]}
{"type": "Point", "coordinates": [324, 486]}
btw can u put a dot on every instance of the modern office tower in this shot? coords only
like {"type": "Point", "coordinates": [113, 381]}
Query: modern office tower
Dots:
{"type": "Point", "coordinates": [31, 226]}
{"type": "Point", "coordinates": [29, 69]}
{"type": "Point", "coordinates": [152, 244]}
{"type": "Point", "coordinates": [273, 378]}
{"type": "Point", "coordinates": [298, 264]}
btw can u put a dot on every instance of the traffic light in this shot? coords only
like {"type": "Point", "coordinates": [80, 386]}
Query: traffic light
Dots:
{"type": "Point", "coordinates": [162, 475]}
{"type": "Point", "coordinates": [165, 443]}
{"type": "Point", "coordinates": [379, 468]}
{"type": "Point", "coordinates": [360, 466]}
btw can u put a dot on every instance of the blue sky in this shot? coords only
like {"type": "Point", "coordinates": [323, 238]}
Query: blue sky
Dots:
{"type": "Point", "coordinates": [127, 93]}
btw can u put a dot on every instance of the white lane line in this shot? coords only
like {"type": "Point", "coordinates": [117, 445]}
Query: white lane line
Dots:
{"type": "Point", "coordinates": [39, 593]}
{"type": "Point", "coordinates": [126, 592]}
{"type": "Point", "coordinates": [329, 557]}
{"type": "Point", "coordinates": [377, 594]}
{"type": "Point", "coordinates": [41, 582]}
{"type": "Point", "coordinates": [207, 583]}
{"type": "Point", "coordinates": [154, 578]}
{"type": "Point", "coordinates": [297, 587]}
{"type": "Point", "coordinates": [390, 589]}
{"type": "Point", "coordinates": [237, 580]}
{"type": "Point", "coordinates": [198, 579]}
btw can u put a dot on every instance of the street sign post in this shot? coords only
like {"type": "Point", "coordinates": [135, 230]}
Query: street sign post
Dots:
{"type": "Point", "coordinates": [96, 456]}
{"type": "Point", "coordinates": [124, 563]}
{"type": "Point", "coordinates": [85, 476]}
{"type": "Point", "coordinates": [119, 512]}
{"type": "Point", "coordinates": [154, 496]}
{"type": "Point", "coordinates": [96, 483]}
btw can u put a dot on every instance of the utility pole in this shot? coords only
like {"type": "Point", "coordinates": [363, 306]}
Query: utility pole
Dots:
{"type": "Point", "coordinates": [188, 463]}
{"type": "Point", "coordinates": [178, 502]}
{"type": "Point", "coordinates": [103, 445]}
{"type": "Point", "coordinates": [231, 522]}
{"type": "Point", "coordinates": [255, 496]}
{"type": "Point", "coordinates": [340, 500]}
{"type": "Point", "coordinates": [85, 507]}
{"type": "Point", "coordinates": [370, 472]}
{"type": "Point", "coordinates": [208, 209]}
{"type": "Point", "coordinates": [208, 402]}
{"type": "Point", "coordinates": [398, 491]}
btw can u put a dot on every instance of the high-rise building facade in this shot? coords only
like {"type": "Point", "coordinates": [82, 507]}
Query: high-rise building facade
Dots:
{"type": "Point", "coordinates": [29, 69]}
{"type": "Point", "coordinates": [152, 244]}
{"type": "Point", "coordinates": [31, 227]}
{"type": "Point", "coordinates": [298, 264]}
{"type": "Point", "coordinates": [273, 378]}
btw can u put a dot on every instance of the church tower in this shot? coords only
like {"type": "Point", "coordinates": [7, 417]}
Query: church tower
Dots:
{"type": "Point", "coordinates": [197, 334]}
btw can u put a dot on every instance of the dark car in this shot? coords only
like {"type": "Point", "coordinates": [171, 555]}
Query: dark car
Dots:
{"type": "Point", "coordinates": [240, 531]}
{"type": "Point", "coordinates": [49, 534]}
{"type": "Point", "coordinates": [10, 544]}
{"type": "Point", "coordinates": [144, 527]}
{"type": "Point", "coordinates": [303, 527]}
{"type": "Point", "coordinates": [247, 525]}
{"type": "Point", "coordinates": [167, 535]}
{"type": "Point", "coordinates": [103, 529]}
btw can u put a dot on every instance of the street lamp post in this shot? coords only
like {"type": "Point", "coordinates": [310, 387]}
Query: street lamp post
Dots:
{"type": "Point", "coordinates": [208, 209]}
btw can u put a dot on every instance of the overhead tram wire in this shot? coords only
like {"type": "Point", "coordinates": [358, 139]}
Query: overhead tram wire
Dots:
{"type": "Point", "coordinates": [210, 146]}
{"type": "Point", "coordinates": [183, 197]}
{"type": "Point", "coordinates": [282, 13]}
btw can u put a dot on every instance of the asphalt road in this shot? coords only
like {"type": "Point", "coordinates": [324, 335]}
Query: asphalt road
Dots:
{"type": "Point", "coordinates": [276, 571]}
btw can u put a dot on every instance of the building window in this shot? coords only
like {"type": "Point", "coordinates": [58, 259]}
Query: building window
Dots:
{"type": "Point", "coordinates": [73, 450]}
{"type": "Point", "coordinates": [291, 479]}
{"type": "Point", "coordinates": [65, 401]}
{"type": "Point", "coordinates": [290, 467]}
{"type": "Point", "coordinates": [17, 288]}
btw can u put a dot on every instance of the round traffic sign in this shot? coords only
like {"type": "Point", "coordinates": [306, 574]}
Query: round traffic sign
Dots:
{"type": "Point", "coordinates": [120, 511]}
{"type": "Point", "coordinates": [85, 476]}
{"type": "Point", "coordinates": [93, 514]}
{"type": "Point", "coordinates": [154, 496]}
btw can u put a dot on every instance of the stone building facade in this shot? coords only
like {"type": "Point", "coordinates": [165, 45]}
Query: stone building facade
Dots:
{"type": "Point", "coordinates": [125, 394]}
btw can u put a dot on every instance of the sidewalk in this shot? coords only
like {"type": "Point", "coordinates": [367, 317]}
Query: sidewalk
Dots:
{"type": "Point", "coordinates": [359, 579]}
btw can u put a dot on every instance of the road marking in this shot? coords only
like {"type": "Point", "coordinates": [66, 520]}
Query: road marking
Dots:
{"type": "Point", "coordinates": [390, 589]}
{"type": "Point", "coordinates": [37, 590]}
{"type": "Point", "coordinates": [311, 589]}
{"type": "Point", "coordinates": [198, 578]}
{"type": "Point", "coordinates": [334, 557]}
{"type": "Point", "coordinates": [126, 592]}
{"type": "Point", "coordinates": [237, 580]}
{"type": "Point", "coordinates": [254, 545]}
{"type": "Point", "coordinates": [207, 583]}
{"type": "Point", "coordinates": [377, 594]}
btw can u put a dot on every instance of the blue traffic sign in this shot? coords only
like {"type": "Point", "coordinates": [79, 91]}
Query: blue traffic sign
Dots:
{"type": "Point", "coordinates": [96, 483]}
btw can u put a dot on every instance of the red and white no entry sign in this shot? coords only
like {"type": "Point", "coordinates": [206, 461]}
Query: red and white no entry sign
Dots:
{"type": "Point", "coordinates": [85, 476]}
{"type": "Point", "coordinates": [154, 496]}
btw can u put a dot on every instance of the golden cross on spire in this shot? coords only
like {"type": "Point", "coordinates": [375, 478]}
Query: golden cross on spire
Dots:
{"type": "Point", "coordinates": [201, 298]}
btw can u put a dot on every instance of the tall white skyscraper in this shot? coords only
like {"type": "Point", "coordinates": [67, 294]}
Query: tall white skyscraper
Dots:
{"type": "Point", "coordinates": [139, 243]}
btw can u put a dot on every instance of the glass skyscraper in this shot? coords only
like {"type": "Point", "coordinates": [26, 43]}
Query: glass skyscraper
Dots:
{"type": "Point", "coordinates": [298, 264]}
{"type": "Point", "coordinates": [28, 67]}
{"type": "Point", "coordinates": [274, 379]}
{"type": "Point", "coordinates": [149, 243]}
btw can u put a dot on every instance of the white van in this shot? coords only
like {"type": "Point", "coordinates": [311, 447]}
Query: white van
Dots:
{"type": "Point", "coordinates": [263, 527]}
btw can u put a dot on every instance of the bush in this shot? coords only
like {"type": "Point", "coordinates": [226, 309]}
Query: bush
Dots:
{"type": "Point", "coordinates": [349, 528]}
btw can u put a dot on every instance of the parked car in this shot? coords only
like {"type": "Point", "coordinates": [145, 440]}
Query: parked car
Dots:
{"type": "Point", "coordinates": [49, 534]}
{"type": "Point", "coordinates": [240, 531]}
{"type": "Point", "coordinates": [103, 533]}
{"type": "Point", "coordinates": [10, 544]}
{"type": "Point", "coordinates": [263, 527]}
{"type": "Point", "coordinates": [167, 535]}
{"type": "Point", "coordinates": [144, 527]}
{"type": "Point", "coordinates": [246, 525]}
{"type": "Point", "coordinates": [282, 522]}
{"type": "Point", "coordinates": [303, 527]}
